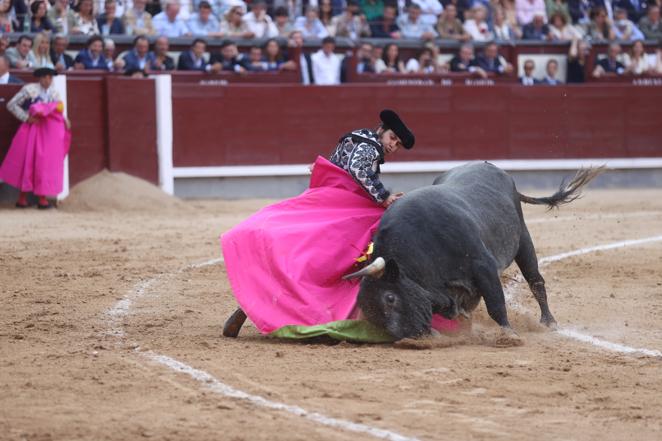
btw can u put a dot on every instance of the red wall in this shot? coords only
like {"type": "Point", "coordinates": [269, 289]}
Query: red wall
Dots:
{"type": "Point", "coordinates": [8, 123]}
{"type": "Point", "coordinates": [281, 124]}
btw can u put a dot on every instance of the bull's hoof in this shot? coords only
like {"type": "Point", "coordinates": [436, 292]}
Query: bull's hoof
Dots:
{"type": "Point", "coordinates": [234, 323]}
{"type": "Point", "coordinates": [509, 339]}
{"type": "Point", "coordinates": [550, 323]}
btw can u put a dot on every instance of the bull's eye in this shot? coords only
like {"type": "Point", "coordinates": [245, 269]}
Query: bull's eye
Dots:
{"type": "Point", "coordinates": [390, 299]}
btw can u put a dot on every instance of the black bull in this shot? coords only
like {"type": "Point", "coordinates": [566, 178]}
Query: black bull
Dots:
{"type": "Point", "coordinates": [442, 248]}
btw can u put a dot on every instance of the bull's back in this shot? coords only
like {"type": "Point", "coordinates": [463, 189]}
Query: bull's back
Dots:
{"type": "Point", "coordinates": [470, 208]}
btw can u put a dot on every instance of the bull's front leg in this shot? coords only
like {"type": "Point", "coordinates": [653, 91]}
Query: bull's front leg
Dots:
{"type": "Point", "coordinates": [487, 281]}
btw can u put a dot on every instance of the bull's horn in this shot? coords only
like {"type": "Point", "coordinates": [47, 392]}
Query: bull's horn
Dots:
{"type": "Point", "coordinates": [375, 270]}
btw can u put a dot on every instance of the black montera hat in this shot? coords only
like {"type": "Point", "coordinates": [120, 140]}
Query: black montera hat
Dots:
{"type": "Point", "coordinates": [392, 121]}
{"type": "Point", "coordinates": [43, 71]}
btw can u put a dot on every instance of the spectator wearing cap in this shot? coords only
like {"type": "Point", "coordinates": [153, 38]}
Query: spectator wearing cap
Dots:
{"type": "Point", "coordinates": [137, 21]}
{"type": "Point", "coordinates": [138, 58]}
{"type": "Point", "coordinates": [651, 25]}
{"type": "Point", "coordinates": [537, 29]}
{"type": "Point", "coordinates": [259, 22]}
{"type": "Point", "coordinates": [551, 72]}
{"type": "Point", "coordinates": [464, 61]}
{"type": "Point", "coordinates": [162, 61]}
{"type": "Point", "coordinates": [282, 22]}
{"type": "Point", "coordinates": [169, 23]}
{"type": "Point", "coordinates": [39, 21]}
{"type": "Point", "coordinates": [203, 23]}
{"type": "Point", "coordinates": [61, 60]}
{"type": "Point", "coordinates": [610, 64]}
{"type": "Point", "coordinates": [326, 64]}
{"type": "Point", "coordinates": [477, 26]}
{"type": "Point", "coordinates": [234, 25]}
{"type": "Point", "coordinates": [92, 56]}
{"type": "Point", "coordinates": [624, 29]}
{"type": "Point", "coordinates": [5, 76]}
{"type": "Point", "coordinates": [86, 23]}
{"type": "Point", "coordinates": [528, 79]}
{"type": "Point", "coordinates": [386, 25]}
{"type": "Point", "coordinates": [62, 17]}
{"type": "Point", "coordinates": [351, 23]}
{"type": "Point", "coordinates": [526, 10]}
{"type": "Point", "coordinates": [449, 27]}
{"type": "Point", "coordinates": [20, 56]}
{"type": "Point", "coordinates": [413, 27]}
{"type": "Point", "coordinates": [491, 61]}
{"type": "Point", "coordinates": [310, 25]}
{"type": "Point", "coordinates": [193, 59]}
{"type": "Point", "coordinates": [229, 59]}
{"type": "Point", "coordinates": [430, 10]}
{"type": "Point", "coordinates": [107, 22]}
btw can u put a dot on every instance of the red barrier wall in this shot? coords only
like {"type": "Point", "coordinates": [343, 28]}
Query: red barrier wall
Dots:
{"type": "Point", "coordinates": [132, 127]}
{"type": "Point", "coordinates": [242, 125]}
{"type": "Point", "coordinates": [8, 123]}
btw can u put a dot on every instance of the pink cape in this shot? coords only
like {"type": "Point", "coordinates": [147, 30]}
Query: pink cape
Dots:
{"type": "Point", "coordinates": [285, 263]}
{"type": "Point", "coordinates": [35, 160]}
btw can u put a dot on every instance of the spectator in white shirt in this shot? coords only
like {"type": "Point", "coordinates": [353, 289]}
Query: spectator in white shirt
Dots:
{"type": "Point", "coordinates": [527, 9]}
{"type": "Point", "coordinates": [477, 27]}
{"type": "Point", "coordinates": [259, 23]}
{"type": "Point", "coordinates": [203, 23]}
{"type": "Point", "coordinates": [326, 65]}
{"type": "Point", "coordinates": [310, 25]}
{"type": "Point", "coordinates": [430, 10]}
{"type": "Point", "coordinates": [168, 22]}
{"type": "Point", "coordinates": [412, 26]}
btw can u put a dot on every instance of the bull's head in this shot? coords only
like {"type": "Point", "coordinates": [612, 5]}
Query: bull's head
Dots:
{"type": "Point", "coordinates": [390, 299]}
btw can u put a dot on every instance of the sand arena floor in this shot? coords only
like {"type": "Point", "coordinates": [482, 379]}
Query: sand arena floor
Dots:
{"type": "Point", "coordinates": [71, 370]}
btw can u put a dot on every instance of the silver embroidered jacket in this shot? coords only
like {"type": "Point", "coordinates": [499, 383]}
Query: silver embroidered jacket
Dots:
{"type": "Point", "coordinates": [27, 96]}
{"type": "Point", "coordinates": [360, 154]}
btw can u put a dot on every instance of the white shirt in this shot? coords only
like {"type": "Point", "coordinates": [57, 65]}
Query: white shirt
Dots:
{"type": "Point", "coordinates": [264, 28]}
{"type": "Point", "coordinates": [164, 27]}
{"type": "Point", "coordinates": [326, 69]}
{"type": "Point", "coordinates": [4, 79]}
{"type": "Point", "coordinates": [430, 10]}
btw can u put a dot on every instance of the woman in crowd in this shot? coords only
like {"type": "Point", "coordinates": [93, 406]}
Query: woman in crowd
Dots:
{"type": "Point", "coordinates": [390, 61]}
{"type": "Point", "coordinates": [503, 30]}
{"type": "Point", "coordinates": [35, 160]}
{"type": "Point", "coordinates": [233, 24]}
{"type": "Point", "coordinates": [6, 24]}
{"type": "Point", "coordinates": [86, 23]}
{"type": "Point", "coordinates": [41, 49]}
{"type": "Point", "coordinates": [600, 28]}
{"type": "Point", "coordinates": [449, 27]}
{"type": "Point", "coordinates": [274, 58]}
{"type": "Point", "coordinates": [39, 22]}
{"type": "Point", "coordinates": [477, 26]}
{"type": "Point", "coordinates": [636, 61]}
{"type": "Point", "coordinates": [577, 58]}
{"type": "Point", "coordinates": [326, 17]}
{"type": "Point", "coordinates": [425, 63]}
{"type": "Point", "coordinates": [561, 30]}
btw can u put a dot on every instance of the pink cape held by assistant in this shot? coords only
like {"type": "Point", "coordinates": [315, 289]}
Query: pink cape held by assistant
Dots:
{"type": "Point", "coordinates": [285, 263]}
{"type": "Point", "coordinates": [35, 160]}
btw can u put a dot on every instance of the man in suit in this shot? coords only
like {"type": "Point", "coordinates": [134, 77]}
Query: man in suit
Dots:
{"type": "Point", "coordinates": [61, 60]}
{"type": "Point", "coordinates": [229, 59]}
{"type": "Point", "coordinates": [194, 58]}
{"type": "Point", "coordinates": [139, 58]}
{"type": "Point", "coordinates": [464, 61]}
{"type": "Point", "coordinates": [305, 62]}
{"type": "Point", "coordinates": [551, 70]}
{"type": "Point", "coordinates": [162, 61]}
{"type": "Point", "coordinates": [107, 22]}
{"type": "Point", "coordinates": [528, 79]}
{"type": "Point", "coordinates": [92, 56]}
{"type": "Point", "coordinates": [610, 64]}
{"type": "Point", "coordinates": [5, 76]}
{"type": "Point", "coordinates": [491, 61]}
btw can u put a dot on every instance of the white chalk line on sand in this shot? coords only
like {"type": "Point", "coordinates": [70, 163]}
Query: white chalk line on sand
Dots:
{"type": "Point", "coordinates": [577, 335]}
{"type": "Point", "coordinates": [121, 309]}
{"type": "Point", "coordinates": [592, 216]}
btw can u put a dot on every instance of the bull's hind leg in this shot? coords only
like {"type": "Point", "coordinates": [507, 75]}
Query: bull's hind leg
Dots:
{"type": "Point", "coordinates": [527, 261]}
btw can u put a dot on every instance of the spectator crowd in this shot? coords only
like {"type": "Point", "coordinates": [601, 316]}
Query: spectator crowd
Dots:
{"type": "Point", "coordinates": [582, 22]}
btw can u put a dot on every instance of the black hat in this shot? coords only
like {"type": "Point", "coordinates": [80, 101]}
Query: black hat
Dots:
{"type": "Point", "coordinates": [392, 121]}
{"type": "Point", "coordinates": [43, 71]}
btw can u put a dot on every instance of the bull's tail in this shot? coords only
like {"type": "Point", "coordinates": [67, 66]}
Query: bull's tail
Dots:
{"type": "Point", "coordinates": [568, 191]}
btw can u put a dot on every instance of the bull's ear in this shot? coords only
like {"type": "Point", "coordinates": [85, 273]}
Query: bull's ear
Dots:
{"type": "Point", "coordinates": [392, 271]}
